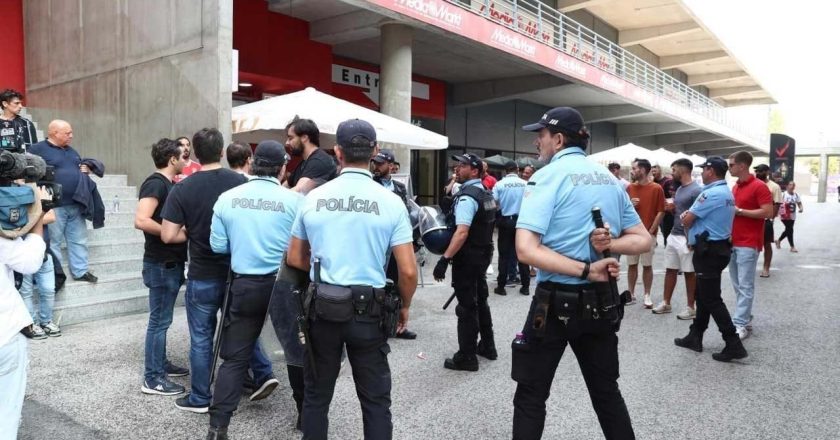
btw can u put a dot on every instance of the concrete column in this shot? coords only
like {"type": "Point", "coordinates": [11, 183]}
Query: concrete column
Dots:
{"type": "Point", "coordinates": [395, 79]}
{"type": "Point", "coordinates": [823, 183]}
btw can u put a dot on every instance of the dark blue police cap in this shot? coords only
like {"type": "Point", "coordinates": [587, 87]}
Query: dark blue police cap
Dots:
{"type": "Point", "coordinates": [469, 159]}
{"type": "Point", "coordinates": [270, 153]}
{"type": "Point", "coordinates": [384, 156]}
{"type": "Point", "coordinates": [715, 162]}
{"type": "Point", "coordinates": [565, 119]}
{"type": "Point", "coordinates": [351, 128]}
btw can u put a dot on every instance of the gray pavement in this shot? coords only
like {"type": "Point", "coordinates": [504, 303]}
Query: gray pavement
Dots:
{"type": "Point", "coordinates": [86, 384]}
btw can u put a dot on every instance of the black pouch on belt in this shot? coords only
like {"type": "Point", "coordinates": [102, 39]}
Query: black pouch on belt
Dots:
{"type": "Point", "coordinates": [333, 303]}
{"type": "Point", "coordinates": [365, 306]}
{"type": "Point", "coordinates": [566, 305]}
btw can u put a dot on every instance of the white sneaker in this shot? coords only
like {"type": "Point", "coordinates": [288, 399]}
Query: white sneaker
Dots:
{"type": "Point", "coordinates": [743, 333]}
{"type": "Point", "coordinates": [688, 314]}
{"type": "Point", "coordinates": [648, 302]}
{"type": "Point", "coordinates": [662, 308]}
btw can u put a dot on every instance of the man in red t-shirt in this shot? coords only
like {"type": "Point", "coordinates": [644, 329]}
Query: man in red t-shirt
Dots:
{"type": "Point", "coordinates": [753, 204]}
{"type": "Point", "coordinates": [191, 166]}
{"type": "Point", "coordinates": [649, 200]}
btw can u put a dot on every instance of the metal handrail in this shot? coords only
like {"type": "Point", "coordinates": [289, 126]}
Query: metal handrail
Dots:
{"type": "Point", "coordinates": [549, 26]}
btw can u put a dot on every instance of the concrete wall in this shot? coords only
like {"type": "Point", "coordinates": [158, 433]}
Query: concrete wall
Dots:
{"type": "Point", "coordinates": [127, 73]}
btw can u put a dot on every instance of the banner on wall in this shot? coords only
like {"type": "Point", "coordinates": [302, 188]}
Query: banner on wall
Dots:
{"type": "Point", "coordinates": [782, 153]}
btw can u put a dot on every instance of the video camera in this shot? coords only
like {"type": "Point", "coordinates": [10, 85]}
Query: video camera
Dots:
{"type": "Point", "coordinates": [16, 199]}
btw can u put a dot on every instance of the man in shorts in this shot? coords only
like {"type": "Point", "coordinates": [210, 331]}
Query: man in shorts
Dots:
{"type": "Point", "coordinates": [649, 200]}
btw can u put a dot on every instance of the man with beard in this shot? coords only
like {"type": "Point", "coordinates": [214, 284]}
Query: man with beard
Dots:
{"type": "Point", "coordinates": [317, 167]}
{"type": "Point", "coordinates": [382, 165]}
{"type": "Point", "coordinates": [190, 166]}
{"type": "Point", "coordinates": [470, 251]}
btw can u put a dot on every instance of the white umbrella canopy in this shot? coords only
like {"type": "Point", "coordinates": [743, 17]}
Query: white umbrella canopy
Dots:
{"type": "Point", "coordinates": [623, 155]}
{"type": "Point", "coordinates": [267, 119]}
{"type": "Point", "coordinates": [664, 158]}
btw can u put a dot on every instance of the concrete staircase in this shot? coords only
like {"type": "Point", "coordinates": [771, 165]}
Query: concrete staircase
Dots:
{"type": "Point", "coordinates": [115, 256]}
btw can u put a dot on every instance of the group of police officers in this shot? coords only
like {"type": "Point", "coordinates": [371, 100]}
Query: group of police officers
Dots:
{"type": "Point", "coordinates": [291, 255]}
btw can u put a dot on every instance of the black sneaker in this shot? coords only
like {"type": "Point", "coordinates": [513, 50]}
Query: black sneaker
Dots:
{"type": "Point", "coordinates": [33, 332]}
{"type": "Point", "coordinates": [173, 370]}
{"type": "Point", "coordinates": [500, 291]}
{"type": "Point", "coordinates": [265, 389]}
{"type": "Point", "coordinates": [461, 362]}
{"type": "Point", "coordinates": [183, 403]}
{"type": "Point", "coordinates": [89, 277]}
{"type": "Point", "coordinates": [161, 387]}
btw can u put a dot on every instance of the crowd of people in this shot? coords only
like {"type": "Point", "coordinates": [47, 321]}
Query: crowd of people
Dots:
{"type": "Point", "coordinates": [253, 241]}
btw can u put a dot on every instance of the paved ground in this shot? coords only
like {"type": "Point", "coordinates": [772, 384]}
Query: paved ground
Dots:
{"type": "Point", "coordinates": [86, 384]}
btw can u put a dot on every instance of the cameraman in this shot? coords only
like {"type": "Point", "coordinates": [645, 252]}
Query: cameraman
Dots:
{"type": "Point", "coordinates": [24, 256]}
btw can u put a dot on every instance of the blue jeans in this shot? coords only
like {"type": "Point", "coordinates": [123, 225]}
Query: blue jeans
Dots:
{"type": "Point", "coordinates": [13, 362]}
{"type": "Point", "coordinates": [164, 280]}
{"type": "Point", "coordinates": [70, 225]}
{"type": "Point", "coordinates": [45, 280]}
{"type": "Point", "coordinates": [203, 301]}
{"type": "Point", "coordinates": [742, 272]}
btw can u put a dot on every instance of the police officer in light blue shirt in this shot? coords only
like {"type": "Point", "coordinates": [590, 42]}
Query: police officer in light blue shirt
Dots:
{"type": "Point", "coordinates": [347, 227]}
{"type": "Point", "coordinates": [709, 224]}
{"type": "Point", "coordinates": [508, 193]}
{"type": "Point", "coordinates": [556, 234]}
{"type": "Point", "coordinates": [252, 222]}
{"type": "Point", "coordinates": [470, 252]}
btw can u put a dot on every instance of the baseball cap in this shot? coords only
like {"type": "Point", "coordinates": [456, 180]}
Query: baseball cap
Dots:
{"type": "Point", "coordinates": [564, 119]}
{"type": "Point", "coordinates": [384, 156]}
{"type": "Point", "coordinates": [715, 162]}
{"type": "Point", "coordinates": [761, 167]}
{"type": "Point", "coordinates": [351, 128]}
{"type": "Point", "coordinates": [468, 159]}
{"type": "Point", "coordinates": [270, 153]}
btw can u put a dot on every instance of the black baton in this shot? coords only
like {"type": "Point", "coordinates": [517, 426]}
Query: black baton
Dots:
{"type": "Point", "coordinates": [599, 223]}
{"type": "Point", "coordinates": [217, 343]}
{"type": "Point", "coordinates": [449, 301]}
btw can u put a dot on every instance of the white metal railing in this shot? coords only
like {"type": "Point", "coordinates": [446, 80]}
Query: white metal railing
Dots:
{"type": "Point", "coordinates": [546, 24]}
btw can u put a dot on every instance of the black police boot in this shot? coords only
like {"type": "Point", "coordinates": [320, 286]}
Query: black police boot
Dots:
{"type": "Point", "coordinates": [734, 350]}
{"type": "Point", "coordinates": [217, 433]}
{"type": "Point", "coordinates": [525, 290]}
{"type": "Point", "coordinates": [487, 349]}
{"type": "Point", "coordinates": [461, 362]}
{"type": "Point", "coordinates": [500, 291]}
{"type": "Point", "coordinates": [692, 341]}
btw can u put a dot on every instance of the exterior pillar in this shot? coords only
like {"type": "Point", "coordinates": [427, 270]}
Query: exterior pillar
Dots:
{"type": "Point", "coordinates": [395, 79]}
{"type": "Point", "coordinates": [823, 183]}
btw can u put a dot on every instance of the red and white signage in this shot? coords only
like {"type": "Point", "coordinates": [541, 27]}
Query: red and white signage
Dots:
{"type": "Point", "coordinates": [480, 29]}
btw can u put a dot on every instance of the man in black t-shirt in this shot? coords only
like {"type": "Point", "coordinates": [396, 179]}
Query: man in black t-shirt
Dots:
{"type": "Point", "coordinates": [187, 216]}
{"type": "Point", "coordinates": [163, 268]}
{"type": "Point", "coordinates": [317, 166]}
{"type": "Point", "coordinates": [16, 132]}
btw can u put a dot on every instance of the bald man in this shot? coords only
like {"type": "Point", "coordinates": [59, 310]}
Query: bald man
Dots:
{"type": "Point", "coordinates": [69, 222]}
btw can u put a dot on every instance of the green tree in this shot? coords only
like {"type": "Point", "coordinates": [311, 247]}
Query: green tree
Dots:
{"type": "Point", "coordinates": [775, 121]}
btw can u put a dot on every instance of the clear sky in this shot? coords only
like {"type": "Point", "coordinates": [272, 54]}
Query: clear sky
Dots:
{"type": "Point", "coordinates": [793, 49]}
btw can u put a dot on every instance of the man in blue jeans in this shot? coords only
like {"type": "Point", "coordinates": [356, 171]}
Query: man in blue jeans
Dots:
{"type": "Point", "coordinates": [163, 268]}
{"type": "Point", "coordinates": [69, 222]}
{"type": "Point", "coordinates": [187, 215]}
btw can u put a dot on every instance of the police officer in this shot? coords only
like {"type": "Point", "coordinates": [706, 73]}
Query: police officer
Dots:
{"type": "Point", "coordinates": [508, 193]}
{"type": "Point", "coordinates": [252, 222]}
{"type": "Point", "coordinates": [470, 252]}
{"type": "Point", "coordinates": [348, 281]}
{"type": "Point", "coordinates": [709, 224]}
{"type": "Point", "coordinates": [572, 304]}
{"type": "Point", "coordinates": [382, 164]}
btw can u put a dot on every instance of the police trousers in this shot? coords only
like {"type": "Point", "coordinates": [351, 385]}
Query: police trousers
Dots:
{"type": "Point", "coordinates": [595, 345]}
{"type": "Point", "coordinates": [469, 279]}
{"type": "Point", "coordinates": [708, 265]}
{"type": "Point", "coordinates": [249, 296]}
{"type": "Point", "coordinates": [507, 251]}
{"type": "Point", "coordinates": [367, 351]}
